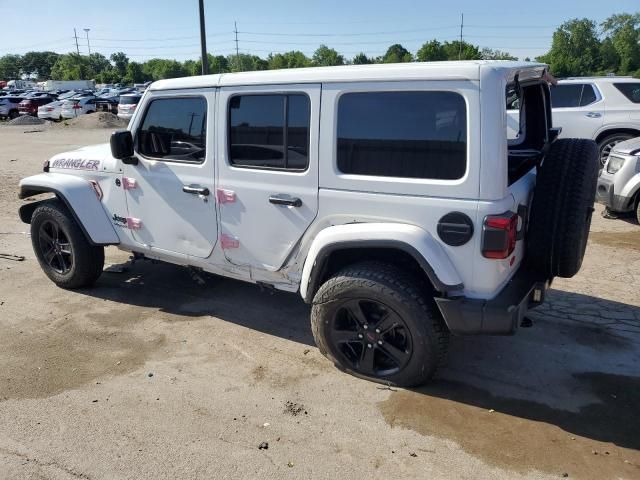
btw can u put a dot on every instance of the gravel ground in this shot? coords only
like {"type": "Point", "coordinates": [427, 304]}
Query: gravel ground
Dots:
{"type": "Point", "coordinates": [152, 375]}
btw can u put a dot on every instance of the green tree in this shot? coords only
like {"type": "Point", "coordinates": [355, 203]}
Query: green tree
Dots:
{"type": "Point", "coordinates": [396, 53]}
{"type": "Point", "coordinates": [135, 74]}
{"type": "Point", "coordinates": [489, 54]}
{"type": "Point", "coordinates": [609, 58]}
{"type": "Point", "coordinates": [38, 64]}
{"type": "Point", "coordinates": [624, 33]}
{"type": "Point", "coordinates": [292, 59]}
{"type": "Point", "coordinates": [120, 61]}
{"type": "Point", "coordinates": [362, 59]}
{"type": "Point", "coordinates": [575, 49]}
{"type": "Point", "coordinates": [432, 51]}
{"type": "Point", "coordinates": [10, 66]}
{"type": "Point", "coordinates": [453, 50]}
{"type": "Point", "coordinates": [326, 57]}
{"type": "Point", "coordinates": [159, 68]}
{"type": "Point", "coordinates": [99, 63]}
{"type": "Point", "coordinates": [246, 63]}
{"type": "Point", "coordinates": [72, 66]}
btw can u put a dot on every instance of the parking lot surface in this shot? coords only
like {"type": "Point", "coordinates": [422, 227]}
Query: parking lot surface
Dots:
{"type": "Point", "coordinates": [157, 374]}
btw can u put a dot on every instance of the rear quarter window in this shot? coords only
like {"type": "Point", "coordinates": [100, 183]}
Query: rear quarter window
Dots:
{"type": "Point", "coordinates": [629, 90]}
{"type": "Point", "coordinates": [403, 134]}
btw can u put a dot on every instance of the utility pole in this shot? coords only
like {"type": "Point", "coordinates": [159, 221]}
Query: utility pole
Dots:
{"type": "Point", "coordinates": [235, 30]}
{"type": "Point", "coordinates": [203, 41]}
{"type": "Point", "coordinates": [88, 45]}
{"type": "Point", "coordinates": [76, 37]}
{"type": "Point", "coordinates": [461, 27]}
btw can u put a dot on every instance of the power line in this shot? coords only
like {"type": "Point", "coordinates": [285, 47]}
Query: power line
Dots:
{"type": "Point", "coordinates": [282, 34]}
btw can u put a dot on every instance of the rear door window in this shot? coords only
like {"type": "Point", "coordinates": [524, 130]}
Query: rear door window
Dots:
{"type": "Point", "coordinates": [588, 95]}
{"type": "Point", "coordinates": [629, 90]}
{"type": "Point", "coordinates": [403, 134]}
{"type": "Point", "coordinates": [566, 96]}
{"type": "Point", "coordinates": [269, 131]}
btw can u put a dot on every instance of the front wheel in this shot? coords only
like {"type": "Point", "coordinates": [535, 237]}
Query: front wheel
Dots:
{"type": "Point", "coordinates": [374, 321]}
{"type": "Point", "coordinates": [64, 253]}
{"type": "Point", "coordinates": [606, 145]}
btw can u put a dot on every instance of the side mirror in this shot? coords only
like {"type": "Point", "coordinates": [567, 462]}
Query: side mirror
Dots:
{"type": "Point", "coordinates": [122, 147]}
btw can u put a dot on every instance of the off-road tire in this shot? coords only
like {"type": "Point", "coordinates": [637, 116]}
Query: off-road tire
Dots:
{"type": "Point", "coordinates": [88, 259]}
{"type": "Point", "coordinates": [407, 296]}
{"type": "Point", "coordinates": [610, 140]}
{"type": "Point", "coordinates": [562, 207]}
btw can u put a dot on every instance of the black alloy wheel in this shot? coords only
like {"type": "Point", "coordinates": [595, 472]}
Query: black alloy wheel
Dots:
{"type": "Point", "coordinates": [56, 247]}
{"type": "Point", "coordinates": [371, 338]}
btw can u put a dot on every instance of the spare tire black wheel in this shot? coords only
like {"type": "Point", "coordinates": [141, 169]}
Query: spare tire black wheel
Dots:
{"type": "Point", "coordinates": [562, 207]}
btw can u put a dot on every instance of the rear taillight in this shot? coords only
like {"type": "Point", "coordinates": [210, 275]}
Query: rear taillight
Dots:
{"type": "Point", "coordinates": [77, 107]}
{"type": "Point", "coordinates": [499, 235]}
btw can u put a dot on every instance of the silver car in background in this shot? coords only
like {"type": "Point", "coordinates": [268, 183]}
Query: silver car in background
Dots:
{"type": "Point", "coordinates": [619, 181]}
{"type": "Point", "coordinates": [127, 105]}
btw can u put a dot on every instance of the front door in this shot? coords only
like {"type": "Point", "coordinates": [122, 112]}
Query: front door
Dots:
{"type": "Point", "coordinates": [170, 192]}
{"type": "Point", "coordinates": [267, 171]}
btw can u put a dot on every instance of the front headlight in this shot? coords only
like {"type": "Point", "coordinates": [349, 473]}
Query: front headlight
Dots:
{"type": "Point", "coordinates": [614, 164]}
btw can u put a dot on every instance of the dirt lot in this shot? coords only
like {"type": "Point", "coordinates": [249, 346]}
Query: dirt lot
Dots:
{"type": "Point", "coordinates": [152, 375]}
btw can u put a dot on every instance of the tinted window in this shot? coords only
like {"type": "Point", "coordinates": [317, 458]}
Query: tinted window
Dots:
{"type": "Point", "coordinates": [124, 100]}
{"type": "Point", "coordinates": [403, 134]}
{"type": "Point", "coordinates": [261, 125]}
{"type": "Point", "coordinates": [588, 95]}
{"type": "Point", "coordinates": [629, 90]}
{"type": "Point", "coordinates": [174, 129]}
{"type": "Point", "coordinates": [564, 96]}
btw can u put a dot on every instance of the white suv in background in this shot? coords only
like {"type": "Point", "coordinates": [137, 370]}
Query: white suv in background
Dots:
{"type": "Point", "coordinates": [604, 109]}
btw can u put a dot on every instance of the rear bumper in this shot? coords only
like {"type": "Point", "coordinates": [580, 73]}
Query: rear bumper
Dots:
{"type": "Point", "coordinates": [499, 316]}
{"type": "Point", "coordinates": [605, 194]}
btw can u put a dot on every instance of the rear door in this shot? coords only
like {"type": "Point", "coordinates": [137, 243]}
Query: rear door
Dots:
{"type": "Point", "coordinates": [578, 108]}
{"type": "Point", "coordinates": [267, 171]}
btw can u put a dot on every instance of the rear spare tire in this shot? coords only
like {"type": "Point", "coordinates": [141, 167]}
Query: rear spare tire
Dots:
{"type": "Point", "coordinates": [562, 207]}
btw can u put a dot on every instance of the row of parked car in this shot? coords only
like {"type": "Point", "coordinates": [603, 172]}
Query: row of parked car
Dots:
{"type": "Point", "coordinates": [59, 105]}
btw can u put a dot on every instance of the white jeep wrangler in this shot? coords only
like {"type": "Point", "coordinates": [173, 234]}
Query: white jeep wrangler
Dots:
{"type": "Point", "coordinates": [387, 195]}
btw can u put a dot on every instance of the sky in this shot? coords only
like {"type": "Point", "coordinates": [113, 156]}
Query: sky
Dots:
{"type": "Point", "coordinates": [170, 28]}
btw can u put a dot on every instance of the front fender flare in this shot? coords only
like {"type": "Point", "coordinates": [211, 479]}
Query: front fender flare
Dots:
{"type": "Point", "coordinates": [413, 240]}
{"type": "Point", "coordinates": [79, 197]}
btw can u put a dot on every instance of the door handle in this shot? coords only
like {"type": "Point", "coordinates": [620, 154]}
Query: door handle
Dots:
{"type": "Point", "coordinates": [195, 190]}
{"type": "Point", "coordinates": [594, 115]}
{"type": "Point", "coordinates": [285, 200]}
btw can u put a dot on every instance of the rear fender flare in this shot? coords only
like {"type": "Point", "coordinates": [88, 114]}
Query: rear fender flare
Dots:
{"type": "Point", "coordinates": [79, 197]}
{"type": "Point", "coordinates": [413, 240]}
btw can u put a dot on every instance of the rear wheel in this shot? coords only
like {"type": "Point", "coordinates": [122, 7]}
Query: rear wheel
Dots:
{"type": "Point", "coordinates": [62, 249]}
{"type": "Point", "coordinates": [373, 321]}
{"type": "Point", "coordinates": [13, 114]}
{"type": "Point", "coordinates": [606, 145]}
